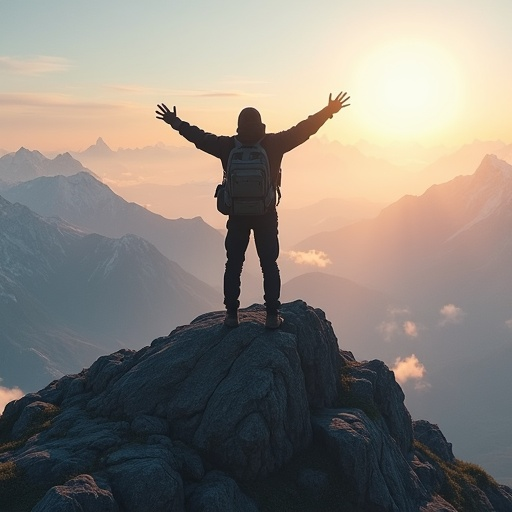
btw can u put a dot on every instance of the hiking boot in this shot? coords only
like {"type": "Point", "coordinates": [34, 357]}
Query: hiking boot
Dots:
{"type": "Point", "coordinates": [231, 319]}
{"type": "Point", "coordinates": [273, 321]}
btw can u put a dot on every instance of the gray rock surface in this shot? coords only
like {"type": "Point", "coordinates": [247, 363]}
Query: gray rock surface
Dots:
{"type": "Point", "coordinates": [218, 492]}
{"type": "Point", "coordinates": [80, 493]}
{"type": "Point", "coordinates": [377, 470]}
{"type": "Point", "coordinates": [195, 420]}
{"type": "Point", "coordinates": [431, 436]}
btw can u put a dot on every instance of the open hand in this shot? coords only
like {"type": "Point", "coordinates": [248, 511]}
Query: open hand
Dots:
{"type": "Point", "coordinates": [336, 104]}
{"type": "Point", "coordinates": [169, 116]}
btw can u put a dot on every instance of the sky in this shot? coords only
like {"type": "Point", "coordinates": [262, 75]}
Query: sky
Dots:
{"type": "Point", "coordinates": [433, 72]}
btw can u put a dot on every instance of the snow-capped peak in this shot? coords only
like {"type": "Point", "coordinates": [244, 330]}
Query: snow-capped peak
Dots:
{"type": "Point", "coordinates": [489, 193]}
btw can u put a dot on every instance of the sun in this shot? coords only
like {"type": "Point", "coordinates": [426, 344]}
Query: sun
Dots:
{"type": "Point", "coordinates": [408, 89]}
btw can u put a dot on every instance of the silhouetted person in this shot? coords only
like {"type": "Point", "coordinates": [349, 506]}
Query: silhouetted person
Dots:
{"type": "Point", "coordinates": [250, 131]}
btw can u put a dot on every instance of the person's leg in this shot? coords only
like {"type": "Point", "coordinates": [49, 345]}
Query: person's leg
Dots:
{"type": "Point", "coordinates": [237, 239]}
{"type": "Point", "coordinates": [267, 246]}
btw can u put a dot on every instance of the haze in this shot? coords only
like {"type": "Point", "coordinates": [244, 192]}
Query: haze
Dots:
{"type": "Point", "coordinates": [437, 73]}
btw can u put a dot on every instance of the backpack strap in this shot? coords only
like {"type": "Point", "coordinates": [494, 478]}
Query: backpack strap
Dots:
{"type": "Point", "coordinates": [277, 185]}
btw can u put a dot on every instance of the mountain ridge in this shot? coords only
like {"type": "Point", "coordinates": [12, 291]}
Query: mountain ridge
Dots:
{"type": "Point", "coordinates": [427, 222]}
{"type": "Point", "coordinates": [25, 164]}
{"type": "Point", "coordinates": [60, 306]}
{"type": "Point", "coordinates": [85, 202]}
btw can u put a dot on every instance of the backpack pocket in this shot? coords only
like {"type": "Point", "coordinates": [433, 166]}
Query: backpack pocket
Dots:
{"type": "Point", "coordinates": [221, 195]}
{"type": "Point", "coordinates": [248, 183]}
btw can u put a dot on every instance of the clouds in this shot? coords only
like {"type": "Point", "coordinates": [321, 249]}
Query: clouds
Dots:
{"type": "Point", "coordinates": [53, 100]}
{"type": "Point", "coordinates": [139, 89]}
{"type": "Point", "coordinates": [451, 314]}
{"type": "Point", "coordinates": [410, 328]}
{"type": "Point", "coordinates": [393, 328]}
{"type": "Point", "coordinates": [398, 322]}
{"type": "Point", "coordinates": [38, 65]}
{"type": "Point", "coordinates": [407, 369]}
{"type": "Point", "coordinates": [8, 395]}
{"type": "Point", "coordinates": [397, 325]}
{"type": "Point", "coordinates": [312, 257]}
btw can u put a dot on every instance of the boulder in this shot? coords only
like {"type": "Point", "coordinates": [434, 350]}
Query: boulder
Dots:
{"type": "Point", "coordinates": [431, 436]}
{"type": "Point", "coordinates": [377, 470]}
{"type": "Point", "coordinates": [144, 478]}
{"type": "Point", "coordinates": [240, 397]}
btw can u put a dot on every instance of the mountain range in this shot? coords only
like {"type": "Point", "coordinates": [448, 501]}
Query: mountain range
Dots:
{"type": "Point", "coordinates": [449, 242]}
{"type": "Point", "coordinates": [82, 200]}
{"type": "Point", "coordinates": [68, 296]}
{"type": "Point", "coordinates": [443, 260]}
{"type": "Point", "coordinates": [24, 165]}
{"type": "Point", "coordinates": [326, 169]}
{"type": "Point", "coordinates": [423, 284]}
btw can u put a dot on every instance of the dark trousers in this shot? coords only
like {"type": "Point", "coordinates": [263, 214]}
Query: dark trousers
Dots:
{"type": "Point", "coordinates": [265, 232]}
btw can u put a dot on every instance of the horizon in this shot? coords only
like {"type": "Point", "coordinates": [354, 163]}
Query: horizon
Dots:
{"type": "Point", "coordinates": [435, 75]}
{"type": "Point", "coordinates": [322, 138]}
{"type": "Point", "coordinates": [151, 175]}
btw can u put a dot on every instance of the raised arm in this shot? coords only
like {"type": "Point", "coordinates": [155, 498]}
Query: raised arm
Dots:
{"type": "Point", "coordinates": [207, 142]}
{"type": "Point", "coordinates": [300, 133]}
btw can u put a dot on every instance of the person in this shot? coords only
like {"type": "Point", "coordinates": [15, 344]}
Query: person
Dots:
{"type": "Point", "coordinates": [251, 130]}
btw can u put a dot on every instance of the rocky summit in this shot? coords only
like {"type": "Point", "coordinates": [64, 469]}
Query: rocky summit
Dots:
{"type": "Point", "coordinates": [233, 420]}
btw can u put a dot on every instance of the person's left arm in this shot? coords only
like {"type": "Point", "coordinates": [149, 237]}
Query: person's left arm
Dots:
{"type": "Point", "coordinates": [300, 133]}
{"type": "Point", "coordinates": [207, 142]}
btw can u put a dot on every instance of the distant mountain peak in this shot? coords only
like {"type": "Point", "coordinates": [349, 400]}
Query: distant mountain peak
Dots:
{"type": "Point", "coordinates": [100, 148]}
{"type": "Point", "coordinates": [494, 176]}
{"type": "Point", "coordinates": [101, 142]}
{"type": "Point", "coordinates": [488, 194]}
{"type": "Point", "coordinates": [64, 156]}
{"type": "Point", "coordinates": [23, 152]}
{"type": "Point", "coordinates": [491, 163]}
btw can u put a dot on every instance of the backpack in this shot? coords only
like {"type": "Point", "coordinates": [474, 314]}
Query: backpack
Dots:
{"type": "Point", "coordinates": [247, 187]}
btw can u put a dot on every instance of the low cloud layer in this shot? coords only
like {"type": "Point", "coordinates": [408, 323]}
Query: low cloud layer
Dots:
{"type": "Point", "coordinates": [411, 329]}
{"type": "Point", "coordinates": [312, 257]}
{"type": "Point", "coordinates": [408, 368]}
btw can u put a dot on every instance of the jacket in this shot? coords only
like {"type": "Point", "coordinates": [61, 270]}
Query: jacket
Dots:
{"type": "Point", "coordinates": [275, 144]}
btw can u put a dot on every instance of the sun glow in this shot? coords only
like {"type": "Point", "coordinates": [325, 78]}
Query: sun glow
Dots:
{"type": "Point", "coordinates": [408, 90]}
